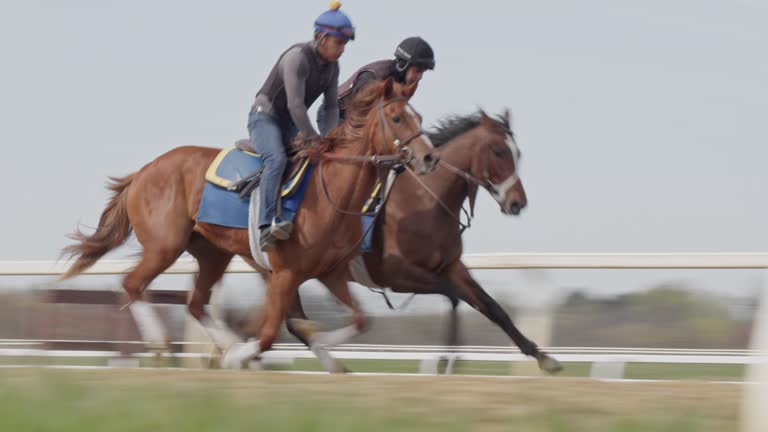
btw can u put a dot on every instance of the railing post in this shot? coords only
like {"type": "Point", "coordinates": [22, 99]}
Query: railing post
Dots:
{"type": "Point", "coordinates": [755, 403]}
{"type": "Point", "coordinates": [535, 319]}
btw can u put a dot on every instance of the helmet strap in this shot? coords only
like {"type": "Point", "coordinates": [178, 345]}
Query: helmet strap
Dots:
{"type": "Point", "coordinates": [401, 65]}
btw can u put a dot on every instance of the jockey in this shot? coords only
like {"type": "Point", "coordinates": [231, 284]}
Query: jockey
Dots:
{"type": "Point", "coordinates": [279, 112]}
{"type": "Point", "coordinates": [413, 57]}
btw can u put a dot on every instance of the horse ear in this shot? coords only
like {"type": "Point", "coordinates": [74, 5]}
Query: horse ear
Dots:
{"type": "Point", "coordinates": [389, 88]}
{"type": "Point", "coordinates": [507, 117]}
{"type": "Point", "coordinates": [486, 121]}
{"type": "Point", "coordinates": [410, 89]}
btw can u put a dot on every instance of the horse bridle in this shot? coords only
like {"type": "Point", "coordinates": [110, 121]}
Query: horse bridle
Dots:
{"type": "Point", "coordinates": [401, 145]}
{"type": "Point", "coordinates": [497, 190]}
{"type": "Point", "coordinates": [404, 156]}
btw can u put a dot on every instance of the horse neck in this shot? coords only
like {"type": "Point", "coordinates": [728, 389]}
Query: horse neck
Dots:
{"type": "Point", "coordinates": [449, 187]}
{"type": "Point", "coordinates": [460, 151]}
{"type": "Point", "coordinates": [350, 183]}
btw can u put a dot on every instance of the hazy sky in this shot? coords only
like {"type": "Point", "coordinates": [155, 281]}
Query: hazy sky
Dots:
{"type": "Point", "coordinates": [643, 124]}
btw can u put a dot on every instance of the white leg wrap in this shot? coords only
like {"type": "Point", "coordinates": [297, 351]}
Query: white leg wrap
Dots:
{"type": "Point", "coordinates": [238, 356]}
{"type": "Point", "coordinates": [150, 325]}
{"type": "Point", "coordinates": [218, 332]}
{"type": "Point", "coordinates": [329, 363]}
{"type": "Point", "coordinates": [335, 337]}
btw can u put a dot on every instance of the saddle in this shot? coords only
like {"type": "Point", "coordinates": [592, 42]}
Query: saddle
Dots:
{"type": "Point", "coordinates": [238, 169]}
{"type": "Point", "coordinates": [232, 177]}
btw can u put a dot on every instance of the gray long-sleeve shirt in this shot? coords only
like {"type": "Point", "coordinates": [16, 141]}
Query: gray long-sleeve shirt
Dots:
{"type": "Point", "coordinates": [296, 81]}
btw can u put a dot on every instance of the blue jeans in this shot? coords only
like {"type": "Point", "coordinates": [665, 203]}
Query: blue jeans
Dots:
{"type": "Point", "coordinates": [269, 140]}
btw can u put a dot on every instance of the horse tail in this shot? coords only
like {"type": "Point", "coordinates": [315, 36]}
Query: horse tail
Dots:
{"type": "Point", "coordinates": [113, 230]}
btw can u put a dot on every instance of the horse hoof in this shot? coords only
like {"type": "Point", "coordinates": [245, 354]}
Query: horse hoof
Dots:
{"type": "Point", "coordinates": [231, 361]}
{"type": "Point", "coordinates": [238, 356]}
{"type": "Point", "coordinates": [549, 364]}
{"type": "Point", "coordinates": [338, 368]}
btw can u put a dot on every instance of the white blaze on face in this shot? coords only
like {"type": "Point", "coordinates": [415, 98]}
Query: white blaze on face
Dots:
{"type": "Point", "coordinates": [502, 188]}
{"type": "Point", "coordinates": [514, 149]}
{"type": "Point", "coordinates": [415, 118]}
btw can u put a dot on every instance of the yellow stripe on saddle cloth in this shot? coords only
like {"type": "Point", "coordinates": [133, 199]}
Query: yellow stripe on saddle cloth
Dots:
{"type": "Point", "coordinates": [233, 164]}
{"type": "Point", "coordinates": [372, 199]}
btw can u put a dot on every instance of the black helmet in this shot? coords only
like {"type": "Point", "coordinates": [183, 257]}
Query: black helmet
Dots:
{"type": "Point", "coordinates": [414, 51]}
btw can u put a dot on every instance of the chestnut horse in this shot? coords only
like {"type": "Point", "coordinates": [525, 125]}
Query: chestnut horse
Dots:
{"type": "Point", "coordinates": [417, 242]}
{"type": "Point", "coordinates": [159, 204]}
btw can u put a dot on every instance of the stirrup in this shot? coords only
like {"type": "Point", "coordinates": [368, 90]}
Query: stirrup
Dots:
{"type": "Point", "coordinates": [281, 229]}
{"type": "Point", "coordinates": [267, 240]}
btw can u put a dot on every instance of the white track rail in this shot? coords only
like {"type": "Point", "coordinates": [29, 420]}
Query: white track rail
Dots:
{"type": "Point", "coordinates": [33, 348]}
{"type": "Point", "coordinates": [473, 261]}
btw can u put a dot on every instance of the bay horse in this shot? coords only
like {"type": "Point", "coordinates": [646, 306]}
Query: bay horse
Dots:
{"type": "Point", "coordinates": [417, 241]}
{"type": "Point", "coordinates": [159, 204]}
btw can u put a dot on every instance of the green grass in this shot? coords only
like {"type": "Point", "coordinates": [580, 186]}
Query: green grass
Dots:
{"type": "Point", "coordinates": [190, 401]}
{"type": "Point", "coordinates": [713, 372]}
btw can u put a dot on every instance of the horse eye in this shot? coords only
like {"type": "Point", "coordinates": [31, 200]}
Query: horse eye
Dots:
{"type": "Point", "coordinates": [498, 153]}
{"type": "Point", "coordinates": [396, 119]}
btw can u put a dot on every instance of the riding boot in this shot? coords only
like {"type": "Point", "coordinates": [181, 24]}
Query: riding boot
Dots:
{"type": "Point", "coordinates": [266, 239]}
{"type": "Point", "coordinates": [281, 229]}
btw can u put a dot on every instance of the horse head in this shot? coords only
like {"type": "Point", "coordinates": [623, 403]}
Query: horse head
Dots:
{"type": "Point", "coordinates": [496, 163]}
{"type": "Point", "coordinates": [395, 127]}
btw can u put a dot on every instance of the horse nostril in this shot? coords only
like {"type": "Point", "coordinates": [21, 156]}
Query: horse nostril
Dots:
{"type": "Point", "coordinates": [514, 208]}
{"type": "Point", "coordinates": [431, 160]}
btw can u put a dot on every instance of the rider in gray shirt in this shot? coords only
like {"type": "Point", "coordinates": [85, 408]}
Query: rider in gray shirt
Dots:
{"type": "Point", "coordinates": [302, 73]}
{"type": "Point", "coordinates": [294, 84]}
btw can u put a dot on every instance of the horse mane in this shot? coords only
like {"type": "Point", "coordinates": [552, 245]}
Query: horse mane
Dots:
{"type": "Point", "coordinates": [356, 117]}
{"type": "Point", "coordinates": [453, 125]}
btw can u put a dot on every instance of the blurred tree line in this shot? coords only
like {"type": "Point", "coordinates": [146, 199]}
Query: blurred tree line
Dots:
{"type": "Point", "coordinates": [667, 316]}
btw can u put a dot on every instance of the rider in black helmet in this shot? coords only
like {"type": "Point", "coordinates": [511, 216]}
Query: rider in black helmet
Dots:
{"type": "Point", "coordinates": [413, 57]}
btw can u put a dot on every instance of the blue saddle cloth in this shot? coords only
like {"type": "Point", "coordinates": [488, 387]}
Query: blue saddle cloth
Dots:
{"type": "Point", "coordinates": [222, 205]}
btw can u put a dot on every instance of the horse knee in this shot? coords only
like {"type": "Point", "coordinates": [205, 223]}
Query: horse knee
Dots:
{"type": "Point", "coordinates": [196, 310]}
{"type": "Point", "coordinates": [133, 286]}
{"type": "Point", "coordinates": [361, 322]}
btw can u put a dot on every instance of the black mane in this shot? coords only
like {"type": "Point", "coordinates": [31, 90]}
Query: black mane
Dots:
{"type": "Point", "coordinates": [453, 125]}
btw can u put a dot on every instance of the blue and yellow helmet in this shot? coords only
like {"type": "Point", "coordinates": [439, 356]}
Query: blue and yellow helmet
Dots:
{"type": "Point", "coordinates": [334, 22]}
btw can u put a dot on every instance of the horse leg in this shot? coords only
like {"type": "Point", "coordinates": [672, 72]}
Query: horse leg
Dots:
{"type": "Point", "coordinates": [453, 336]}
{"type": "Point", "coordinates": [282, 290]}
{"type": "Point", "coordinates": [153, 262]}
{"type": "Point", "coordinates": [337, 284]}
{"type": "Point", "coordinates": [319, 342]}
{"type": "Point", "coordinates": [297, 323]}
{"type": "Point", "coordinates": [471, 292]}
{"type": "Point", "coordinates": [306, 331]}
{"type": "Point", "coordinates": [212, 263]}
{"type": "Point", "coordinates": [447, 289]}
